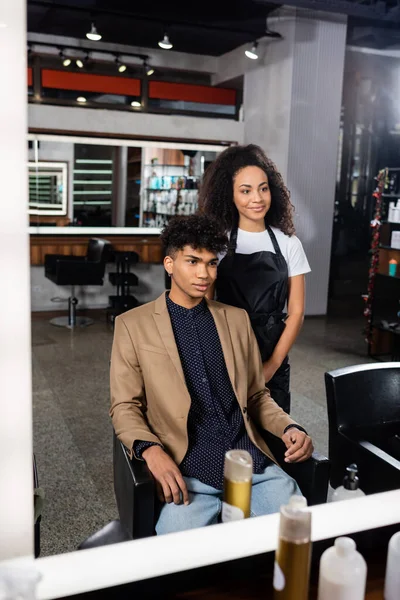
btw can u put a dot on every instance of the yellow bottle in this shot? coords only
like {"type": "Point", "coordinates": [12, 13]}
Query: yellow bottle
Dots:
{"type": "Point", "coordinates": [238, 474]}
{"type": "Point", "coordinates": [293, 555]}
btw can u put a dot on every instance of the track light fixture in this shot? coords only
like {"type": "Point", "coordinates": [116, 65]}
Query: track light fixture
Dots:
{"type": "Point", "coordinates": [165, 43]}
{"type": "Point", "coordinates": [148, 69]}
{"type": "Point", "coordinates": [93, 34]}
{"type": "Point", "coordinates": [136, 104]}
{"type": "Point", "coordinates": [253, 52]}
{"type": "Point", "coordinates": [64, 59]}
{"type": "Point", "coordinates": [120, 65]}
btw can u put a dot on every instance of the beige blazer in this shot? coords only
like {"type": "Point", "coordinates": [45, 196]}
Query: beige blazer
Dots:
{"type": "Point", "coordinates": [149, 397]}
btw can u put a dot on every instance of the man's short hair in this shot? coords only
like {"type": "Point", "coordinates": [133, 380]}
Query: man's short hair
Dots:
{"type": "Point", "coordinates": [197, 231]}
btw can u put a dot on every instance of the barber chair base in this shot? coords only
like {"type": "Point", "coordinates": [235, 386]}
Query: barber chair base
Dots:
{"type": "Point", "coordinates": [65, 322]}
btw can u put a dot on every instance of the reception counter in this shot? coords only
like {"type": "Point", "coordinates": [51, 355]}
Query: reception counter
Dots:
{"type": "Point", "coordinates": [73, 241]}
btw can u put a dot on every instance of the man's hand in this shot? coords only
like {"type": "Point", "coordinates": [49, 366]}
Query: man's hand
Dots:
{"type": "Point", "coordinates": [169, 481]}
{"type": "Point", "coordinates": [299, 445]}
{"type": "Point", "coordinates": [270, 367]}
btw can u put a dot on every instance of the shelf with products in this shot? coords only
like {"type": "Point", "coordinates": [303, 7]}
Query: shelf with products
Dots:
{"type": "Point", "coordinates": [382, 308]}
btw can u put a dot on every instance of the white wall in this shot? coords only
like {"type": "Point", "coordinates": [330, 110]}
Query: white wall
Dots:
{"type": "Point", "coordinates": [92, 120]}
{"type": "Point", "coordinates": [292, 107]}
{"type": "Point", "coordinates": [151, 285]}
{"type": "Point", "coordinates": [16, 479]}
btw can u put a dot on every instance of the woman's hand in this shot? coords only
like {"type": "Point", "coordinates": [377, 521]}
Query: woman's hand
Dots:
{"type": "Point", "coordinates": [270, 367]}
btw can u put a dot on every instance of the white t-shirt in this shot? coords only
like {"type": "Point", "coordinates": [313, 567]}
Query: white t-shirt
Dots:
{"type": "Point", "coordinates": [291, 247]}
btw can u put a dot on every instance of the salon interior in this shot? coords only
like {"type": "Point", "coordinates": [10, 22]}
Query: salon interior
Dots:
{"type": "Point", "coordinates": [110, 115]}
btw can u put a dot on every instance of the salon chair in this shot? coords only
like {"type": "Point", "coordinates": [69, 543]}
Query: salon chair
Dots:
{"type": "Point", "coordinates": [77, 270]}
{"type": "Point", "coordinates": [364, 424]}
{"type": "Point", "coordinates": [135, 489]}
{"type": "Point", "coordinates": [112, 533]}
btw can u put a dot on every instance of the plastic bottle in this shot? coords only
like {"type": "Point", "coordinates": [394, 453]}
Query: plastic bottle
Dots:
{"type": "Point", "coordinates": [342, 572]}
{"type": "Point", "coordinates": [293, 555]}
{"type": "Point", "coordinates": [238, 476]}
{"type": "Point", "coordinates": [350, 488]}
{"type": "Point", "coordinates": [391, 212]}
{"type": "Point", "coordinates": [392, 267]}
{"type": "Point", "coordinates": [392, 578]}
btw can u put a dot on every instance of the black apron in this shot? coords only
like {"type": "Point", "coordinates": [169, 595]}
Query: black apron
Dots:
{"type": "Point", "coordinates": [258, 283]}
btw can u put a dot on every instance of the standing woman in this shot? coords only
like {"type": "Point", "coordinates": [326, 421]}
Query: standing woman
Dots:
{"type": "Point", "coordinates": [263, 271]}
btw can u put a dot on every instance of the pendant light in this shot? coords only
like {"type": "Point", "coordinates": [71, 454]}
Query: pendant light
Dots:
{"type": "Point", "coordinates": [253, 52]}
{"type": "Point", "coordinates": [93, 34]}
{"type": "Point", "coordinates": [165, 43]}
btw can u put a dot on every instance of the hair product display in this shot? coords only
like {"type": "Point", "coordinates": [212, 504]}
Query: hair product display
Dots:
{"type": "Point", "coordinates": [293, 555]}
{"type": "Point", "coordinates": [238, 475]}
{"type": "Point", "coordinates": [343, 572]}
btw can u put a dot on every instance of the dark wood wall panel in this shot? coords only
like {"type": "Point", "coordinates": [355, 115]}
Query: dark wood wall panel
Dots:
{"type": "Point", "coordinates": [149, 250]}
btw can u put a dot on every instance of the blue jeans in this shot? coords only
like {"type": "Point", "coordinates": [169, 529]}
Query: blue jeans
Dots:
{"type": "Point", "coordinates": [270, 490]}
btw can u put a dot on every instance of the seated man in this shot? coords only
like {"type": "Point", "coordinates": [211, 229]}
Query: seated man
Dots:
{"type": "Point", "coordinates": [187, 385]}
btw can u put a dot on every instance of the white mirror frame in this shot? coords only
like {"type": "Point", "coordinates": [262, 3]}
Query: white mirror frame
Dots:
{"type": "Point", "coordinates": [76, 572]}
{"type": "Point", "coordinates": [62, 168]}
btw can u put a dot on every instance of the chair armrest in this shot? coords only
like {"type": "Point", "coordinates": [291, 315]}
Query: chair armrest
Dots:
{"type": "Point", "coordinates": [312, 475]}
{"type": "Point", "coordinates": [134, 492]}
{"type": "Point", "coordinates": [112, 533]}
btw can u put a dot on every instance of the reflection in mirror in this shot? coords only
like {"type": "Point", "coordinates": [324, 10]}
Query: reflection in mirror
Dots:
{"type": "Point", "coordinates": [48, 188]}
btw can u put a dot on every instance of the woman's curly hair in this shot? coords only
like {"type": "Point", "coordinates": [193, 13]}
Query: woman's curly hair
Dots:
{"type": "Point", "coordinates": [216, 191]}
{"type": "Point", "coordinates": [197, 231]}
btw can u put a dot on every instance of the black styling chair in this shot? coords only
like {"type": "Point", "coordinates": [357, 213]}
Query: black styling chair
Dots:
{"type": "Point", "coordinates": [135, 489]}
{"type": "Point", "coordinates": [112, 533]}
{"type": "Point", "coordinates": [364, 424]}
{"type": "Point", "coordinates": [77, 270]}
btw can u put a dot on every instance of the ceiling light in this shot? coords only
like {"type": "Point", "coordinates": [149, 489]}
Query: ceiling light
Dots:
{"type": "Point", "coordinates": [93, 34]}
{"type": "Point", "coordinates": [79, 63]}
{"type": "Point", "coordinates": [165, 44]}
{"type": "Point", "coordinates": [120, 66]}
{"type": "Point", "coordinates": [136, 104]}
{"type": "Point", "coordinates": [81, 99]}
{"type": "Point", "coordinates": [253, 52]}
{"type": "Point", "coordinates": [65, 61]}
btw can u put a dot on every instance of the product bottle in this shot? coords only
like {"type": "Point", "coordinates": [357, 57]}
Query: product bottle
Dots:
{"type": "Point", "coordinates": [238, 475]}
{"type": "Point", "coordinates": [391, 212]}
{"type": "Point", "coordinates": [392, 267]}
{"type": "Point", "coordinates": [392, 579]}
{"type": "Point", "coordinates": [342, 572]}
{"type": "Point", "coordinates": [350, 488]}
{"type": "Point", "coordinates": [293, 556]}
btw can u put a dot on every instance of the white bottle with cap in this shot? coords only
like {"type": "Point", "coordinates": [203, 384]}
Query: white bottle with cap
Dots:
{"type": "Point", "coordinates": [342, 572]}
{"type": "Point", "coordinates": [350, 488]}
{"type": "Point", "coordinates": [392, 578]}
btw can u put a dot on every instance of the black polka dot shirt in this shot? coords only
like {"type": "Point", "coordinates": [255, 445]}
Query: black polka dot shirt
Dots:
{"type": "Point", "coordinates": [215, 422]}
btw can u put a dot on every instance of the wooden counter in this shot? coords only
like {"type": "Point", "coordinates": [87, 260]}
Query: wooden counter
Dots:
{"type": "Point", "coordinates": [148, 247]}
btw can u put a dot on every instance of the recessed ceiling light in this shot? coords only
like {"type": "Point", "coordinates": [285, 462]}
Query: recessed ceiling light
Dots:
{"type": "Point", "coordinates": [81, 99]}
{"type": "Point", "coordinates": [93, 34]}
{"type": "Point", "coordinates": [136, 104]}
{"type": "Point", "coordinates": [253, 52]}
{"type": "Point", "coordinates": [165, 44]}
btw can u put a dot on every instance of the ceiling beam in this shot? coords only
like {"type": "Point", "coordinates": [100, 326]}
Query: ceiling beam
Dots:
{"type": "Point", "coordinates": [375, 9]}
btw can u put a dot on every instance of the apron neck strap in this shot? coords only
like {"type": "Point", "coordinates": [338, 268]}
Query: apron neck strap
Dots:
{"type": "Point", "coordinates": [274, 241]}
{"type": "Point", "coordinates": [233, 241]}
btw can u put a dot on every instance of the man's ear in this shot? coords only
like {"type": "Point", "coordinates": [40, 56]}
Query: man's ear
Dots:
{"type": "Point", "coordinates": [168, 265]}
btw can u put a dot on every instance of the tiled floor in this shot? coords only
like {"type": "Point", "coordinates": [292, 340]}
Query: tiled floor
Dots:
{"type": "Point", "coordinates": [72, 430]}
